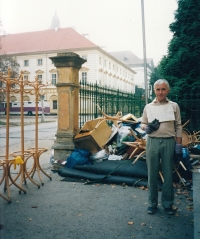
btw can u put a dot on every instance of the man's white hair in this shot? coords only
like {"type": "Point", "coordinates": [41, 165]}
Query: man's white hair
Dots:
{"type": "Point", "coordinates": [161, 81]}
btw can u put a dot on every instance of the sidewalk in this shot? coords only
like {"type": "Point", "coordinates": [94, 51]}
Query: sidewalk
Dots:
{"type": "Point", "coordinates": [66, 208]}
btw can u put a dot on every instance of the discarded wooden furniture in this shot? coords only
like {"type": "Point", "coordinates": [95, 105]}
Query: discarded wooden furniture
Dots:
{"type": "Point", "coordinates": [36, 153]}
{"type": "Point", "coordinates": [10, 159]}
{"type": "Point", "coordinates": [23, 171]}
{"type": "Point", "coordinates": [139, 146]}
{"type": "Point", "coordinates": [189, 139]}
{"type": "Point", "coordinates": [93, 135]}
{"type": "Point", "coordinates": [7, 160]}
{"type": "Point", "coordinates": [6, 177]}
{"type": "Point", "coordinates": [118, 117]}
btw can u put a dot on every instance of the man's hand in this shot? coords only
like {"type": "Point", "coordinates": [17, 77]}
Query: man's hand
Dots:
{"type": "Point", "coordinates": [153, 126]}
{"type": "Point", "coordinates": [148, 130]}
{"type": "Point", "coordinates": [178, 152]}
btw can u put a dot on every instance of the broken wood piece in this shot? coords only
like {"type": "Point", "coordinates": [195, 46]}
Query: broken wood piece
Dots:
{"type": "Point", "coordinates": [183, 166]}
{"type": "Point", "coordinates": [139, 156]}
{"type": "Point", "coordinates": [185, 123]}
{"type": "Point", "coordinates": [114, 118]}
{"type": "Point", "coordinates": [161, 176]}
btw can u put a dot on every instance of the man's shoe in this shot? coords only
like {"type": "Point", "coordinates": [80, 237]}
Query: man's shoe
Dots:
{"type": "Point", "coordinates": [170, 211]}
{"type": "Point", "coordinates": [151, 210]}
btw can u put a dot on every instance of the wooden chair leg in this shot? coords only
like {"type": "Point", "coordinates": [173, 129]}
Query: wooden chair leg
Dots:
{"type": "Point", "coordinates": [161, 176]}
{"type": "Point", "coordinates": [180, 177]}
{"type": "Point", "coordinates": [140, 155]}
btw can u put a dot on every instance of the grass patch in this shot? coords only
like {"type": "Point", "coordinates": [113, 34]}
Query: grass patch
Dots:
{"type": "Point", "coordinates": [2, 123]}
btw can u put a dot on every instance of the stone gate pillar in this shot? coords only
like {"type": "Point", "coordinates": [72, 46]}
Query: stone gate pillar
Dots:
{"type": "Point", "coordinates": [68, 65]}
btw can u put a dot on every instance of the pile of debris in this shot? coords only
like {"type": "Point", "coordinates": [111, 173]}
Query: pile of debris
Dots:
{"type": "Point", "coordinates": [116, 154]}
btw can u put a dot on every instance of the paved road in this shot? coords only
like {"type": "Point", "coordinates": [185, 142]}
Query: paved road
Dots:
{"type": "Point", "coordinates": [65, 208]}
{"type": "Point", "coordinates": [46, 134]}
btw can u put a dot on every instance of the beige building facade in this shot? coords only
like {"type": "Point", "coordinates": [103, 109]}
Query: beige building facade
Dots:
{"type": "Point", "coordinates": [33, 50]}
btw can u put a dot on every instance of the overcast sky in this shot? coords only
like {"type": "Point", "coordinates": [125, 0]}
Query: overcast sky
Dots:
{"type": "Point", "coordinates": [115, 25]}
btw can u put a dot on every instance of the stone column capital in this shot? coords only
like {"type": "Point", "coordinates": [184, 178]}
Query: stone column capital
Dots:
{"type": "Point", "coordinates": [68, 59]}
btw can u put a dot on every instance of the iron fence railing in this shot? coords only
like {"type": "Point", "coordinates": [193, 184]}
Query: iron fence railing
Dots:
{"type": "Point", "coordinates": [111, 101]}
{"type": "Point", "coordinates": [190, 109]}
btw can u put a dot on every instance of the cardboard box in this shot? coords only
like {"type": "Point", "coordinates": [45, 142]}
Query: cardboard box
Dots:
{"type": "Point", "coordinates": [93, 135]}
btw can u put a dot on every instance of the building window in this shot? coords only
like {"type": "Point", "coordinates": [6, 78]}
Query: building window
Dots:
{"type": "Point", "coordinates": [53, 79]}
{"type": "Point", "coordinates": [39, 78]}
{"type": "Point", "coordinates": [54, 104]}
{"type": "Point", "coordinates": [105, 63]}
{"type": "Point", "coordinates": [26, 63]}
{"type": "Point", "coordinates": [109, 65]}
{"type": "Point", "coordinates": [84, 77]}
{"type": "Point", "coordinates": [100, 60]}
{"type": "Point", "coordinates": [25, 77]}
{"type": "Point", "coordinates": [39, 62]}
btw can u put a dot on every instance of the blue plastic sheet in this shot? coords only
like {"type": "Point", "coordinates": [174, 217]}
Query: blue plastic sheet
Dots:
{"type": "Point", "coordinates": [78, 157]}
{"type": "Point", "coordinates": [186, 159]}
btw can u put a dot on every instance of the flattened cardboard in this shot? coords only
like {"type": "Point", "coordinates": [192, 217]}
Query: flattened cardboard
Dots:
{"type": "Point", "coordinates": [162, 113]}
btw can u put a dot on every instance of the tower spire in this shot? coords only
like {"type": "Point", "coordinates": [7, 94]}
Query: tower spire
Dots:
{"type": "Point", "coordinates": [55, 22]}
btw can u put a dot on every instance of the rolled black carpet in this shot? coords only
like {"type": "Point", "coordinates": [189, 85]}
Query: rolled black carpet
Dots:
{"type": "Point", "coordinates": [116, 171]}
{"type": "Point", "coordinates": [102, 178]}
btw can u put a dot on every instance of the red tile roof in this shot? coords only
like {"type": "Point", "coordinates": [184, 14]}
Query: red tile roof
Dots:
{"type": "Point", "coordinates": [42, 41]}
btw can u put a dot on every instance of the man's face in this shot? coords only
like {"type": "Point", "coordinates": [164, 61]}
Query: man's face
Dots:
{"type": "Point", "coordinates": [161, 91]}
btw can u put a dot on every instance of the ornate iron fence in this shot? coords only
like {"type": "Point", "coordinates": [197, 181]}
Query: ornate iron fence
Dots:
{"type": "Point", "coordinates": [190, 109]}
{"type": "Point", "coordinates": [111, 101]}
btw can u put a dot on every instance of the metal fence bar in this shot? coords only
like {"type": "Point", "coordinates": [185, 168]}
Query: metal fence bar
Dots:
{"type": "Point", "coordinates": [111, 101]}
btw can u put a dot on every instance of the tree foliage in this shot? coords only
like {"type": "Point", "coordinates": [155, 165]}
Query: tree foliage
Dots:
{"type": "Point", "coordinates": [8, 61]}
{"type": "Point", "coordinates": [181, 66]}
{"type": "Point", "coordinates": [155, 75]}
{"type": "Point", "coordinates": [5, 63]}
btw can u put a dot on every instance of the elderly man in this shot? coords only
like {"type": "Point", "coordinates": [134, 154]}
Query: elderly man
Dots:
{"type": "Point", "coordinates": [161, 121]}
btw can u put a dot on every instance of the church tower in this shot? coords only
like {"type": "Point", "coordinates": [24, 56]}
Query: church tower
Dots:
{"type": "Point", "coordinates": [55, 22]}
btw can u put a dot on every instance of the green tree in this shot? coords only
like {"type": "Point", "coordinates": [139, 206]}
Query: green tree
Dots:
{"type": "Point", "coordinates": [181, 66]}
{"type": "Point", "coordinates": [8, 61]}
{"type": "Point", "coordinates": [5, 62]}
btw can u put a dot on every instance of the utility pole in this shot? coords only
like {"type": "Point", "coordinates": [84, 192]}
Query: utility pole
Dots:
{"type": "Point", "coordinates": [42, 106]}
{"type": "Point", "coordinates": [144, 53]}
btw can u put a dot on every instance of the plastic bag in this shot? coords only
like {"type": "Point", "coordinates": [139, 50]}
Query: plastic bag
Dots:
{"type": "Point", "coordinates": [186, 159]}
{"type": "Point", "coordinates": [78, 157]}
{"type": "Point", "coordinates": [99, 156]}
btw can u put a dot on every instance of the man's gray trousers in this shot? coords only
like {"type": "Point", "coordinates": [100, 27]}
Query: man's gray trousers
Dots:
{"type": "Point", "coordinates": [160, 157]}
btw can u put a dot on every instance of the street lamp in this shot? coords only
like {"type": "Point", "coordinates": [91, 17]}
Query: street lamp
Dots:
{"type": "Point", "coordinates": [144, 53]}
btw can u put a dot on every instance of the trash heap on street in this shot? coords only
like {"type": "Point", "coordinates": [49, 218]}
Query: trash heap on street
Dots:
{"type": "Point", "coordinates": [116, 153]}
